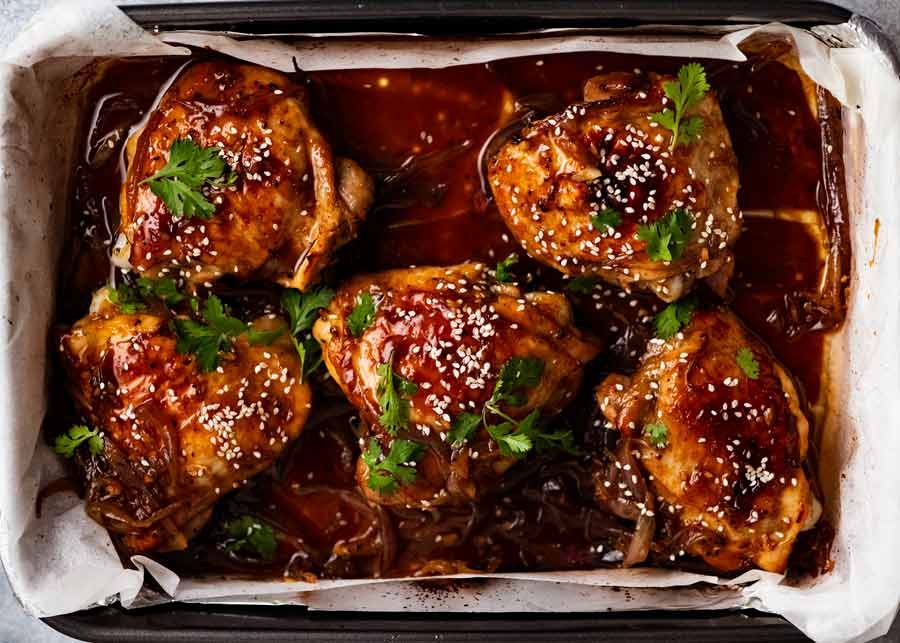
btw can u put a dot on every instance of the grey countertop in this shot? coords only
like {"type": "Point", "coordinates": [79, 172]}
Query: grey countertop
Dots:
{"type": "Point", "coordinates": [15, 625]}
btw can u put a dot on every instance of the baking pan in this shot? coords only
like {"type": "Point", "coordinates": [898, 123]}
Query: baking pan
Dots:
{"type": "Point", "coordinates": [198, 622]}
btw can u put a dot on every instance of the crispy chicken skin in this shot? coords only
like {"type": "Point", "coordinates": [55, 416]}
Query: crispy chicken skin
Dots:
{"type": "Point", "coordinates": [293, 203]}
{"type": "Point", "coordinates": [450, 331]}
{"type": "Point", "coordinates": [175, 439]}
{"type": "Point", "coordinates": [607, 153]}
{"type": "Point", "coordinates": [731, 471]}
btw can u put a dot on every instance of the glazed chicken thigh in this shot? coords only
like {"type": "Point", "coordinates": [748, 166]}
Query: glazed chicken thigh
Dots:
{"type": "Point", "coordinates": [282, 206]}
{"type": "Point", "coordinates": [445, 337]}
{"type": "Point", "coordinates": [717, 423]}
{"type": "Point", "coordinates": [586, 190]}
{"type": "Point", "coordinates": [175, 439]}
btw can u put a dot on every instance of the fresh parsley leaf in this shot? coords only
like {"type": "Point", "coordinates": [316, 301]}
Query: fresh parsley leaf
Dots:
{"type": "Point", "coordinates": [310, 354]}
{"type": "Point", "coordinates": [529, 433]}
{"type": "Point", "coordinates": [266, 337]}
{"type": "Point", "coordinates": [685, 93]}
{"type": "Point", "coordinates": [674, 317]}
{"type": "Point", "coordinates": [657, 433]}
{"type": "Point", "coordinates": [748, 363]}
{"type": "Point", "coordinates": [251, 536]}
{"type": "Point", "coordinates": [504, 269]}
{"type": "Point", "coordinates": [362, 315]}
{"type": "Point", "coordinates": [303, 308]}
{"type": "Point", "coordinates": [692, 129]}
{"type": "Point", "coordinates": [511, 442]}
{"type": "Point", "coordinates": [667, 237]}
{"type": "Point", "coordinates": [385, 473]}
{"type": "Point", "coordinates": [518, 437]}
{"type": "Point", "coordinates": [464, 426]}
{"type": "Point", "coordinates": [391, 389]}
{"type": "Point", "coordinates": [201, 340]}
{"type": "Point", "coordinates": [606, 220]}
{"type": "Point", "coordinates": [517, 374]}
{"type": "Point", "coordinates": [126, 298]}
{"type": "Point", "coordinates": [217, 333]}
{"type": "Point", "coordinates": [66, 444]}
{"type": "Point", "coordinates": [581, 285]}
{"type": "Point", "coordinates": [180, 181]}
{"type": "Point", "coordinates": [164, 289]}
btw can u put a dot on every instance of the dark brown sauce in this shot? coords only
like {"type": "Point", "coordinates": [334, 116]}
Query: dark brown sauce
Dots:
{"type": "Point", "coordinates": [419, 132]}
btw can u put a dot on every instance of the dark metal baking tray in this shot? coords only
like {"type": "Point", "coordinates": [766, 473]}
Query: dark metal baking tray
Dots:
{"type": "Point", "coordinates": [215, 623]}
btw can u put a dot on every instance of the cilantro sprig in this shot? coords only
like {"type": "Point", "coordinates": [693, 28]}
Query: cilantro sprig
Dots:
{"type": "Point", "coordinates": [685, 93]}
{"type": "Point", "coordinates": [387, 471]}
{"type": "Point", "coordinates": [66, 443]}
{"type": "Point", "coordinates": [657, 433]}
{"type": "Point", "coordinates": [127, 298]}
{"type": "Point", "coordinates": [517, 375]}
{"type": "Point", "coordinates": [581, 285]}
{"type": "Point", "coordinates": [515, 438]}
{"type": "Point", "coordinates": [606, 220]}
{"type": "Point", "coordinates": [302, 310]}
{"type": "Point", "coordinates": [190, 169]}
{"type": "Point", "coordinates": [362, 315]}
{"type": "Point", "coordinates": [747, 362]}
{"type": "Point", "coordinates": [667, 237]}
{"type": "Point", "coordinates": [216, 333]}
{"type": "Point", "coordinates": [392, 392]}
{"type": "Point", "coordinates": [674, 317]}
{"type": "Point", "coordinates": [504, 273]}
{"type": "Point", "coordinates": [248, 535]}
{"type": "Point", "coordinates": [130, 299]}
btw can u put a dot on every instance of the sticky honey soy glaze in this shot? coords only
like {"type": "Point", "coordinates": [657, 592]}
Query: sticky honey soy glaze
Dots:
{"type": "Point", "coordinates": [420, 134]}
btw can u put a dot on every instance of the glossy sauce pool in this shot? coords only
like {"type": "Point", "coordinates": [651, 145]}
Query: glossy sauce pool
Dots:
{"type": "Point", "coordinates": [419, 133]}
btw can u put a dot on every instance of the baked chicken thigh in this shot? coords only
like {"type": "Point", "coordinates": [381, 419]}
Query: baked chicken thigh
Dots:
{"type": "Point", "coordinates": [450, 366]}
{"type": "Point", "coordinates": [717, 423]}
{"type": "Point", "coordinates": [602, 188]}
{"type": "Point", "coordinates": [279, 206]}
{"type": "Point", "coordinates": [174, 438]}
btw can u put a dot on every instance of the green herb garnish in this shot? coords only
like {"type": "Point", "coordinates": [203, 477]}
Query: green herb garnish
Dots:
{"type": "Point", "coordinates": [251, 536]}
{"type": "Point", "coordinates": [516, 438]}
{"type": "Point", "coordinates": [391, 390]}
{"type": "Point", "coordinates": [216, 333]}
{"type": "Point", "coordinates": [385, 473]}
{"type": "Point", "coordinates": [310, 354]}
{"type": "Point", "coordinates": [748, 363]}
{"type": "Point", "coordinates": [657, 433]}
{"type": "Point", "coordinates": [362, 315]}
{"type": "Point", "coordinates": [464, 426]}
{"type": "Point", "coordinates": [131, 299]}
{"type": "Point", "coordinates": [165, 289]}
{"type": "Point", "coordinates": [66, 444]}
{"type": "Point", "coordinates": [685, 93]}
{"type": "Point", "coordinates": [581, 285]}
{"type": "Point", "coordinates": [303, 308]}
{"type": "Point", "coordinates": [606, 220]}
{"type": "Point", "coordinates": [667, 237]}
{"type": "Point", "coordinates": [127, 298]}
{"type": "Point", "coordinates": [504, 269]}
{"type": "Point", "coordinates": [517, 374]}
{"type": "Point", "coordinates": [181, 180]}
{"type": "Point", "coordinates": [674, 317]}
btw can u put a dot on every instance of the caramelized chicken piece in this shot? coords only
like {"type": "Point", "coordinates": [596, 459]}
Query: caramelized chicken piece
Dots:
{"type": "Point", "coordinates": [449, 331]}
{"type": "Point", "coordinates": [291, 206]}
{"type": "Point", "coordinates": [731, 439]}
{"type": "Point", "coordinates": [606, 154]}
{"type": "Point", "coordinates": [175, 439]}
